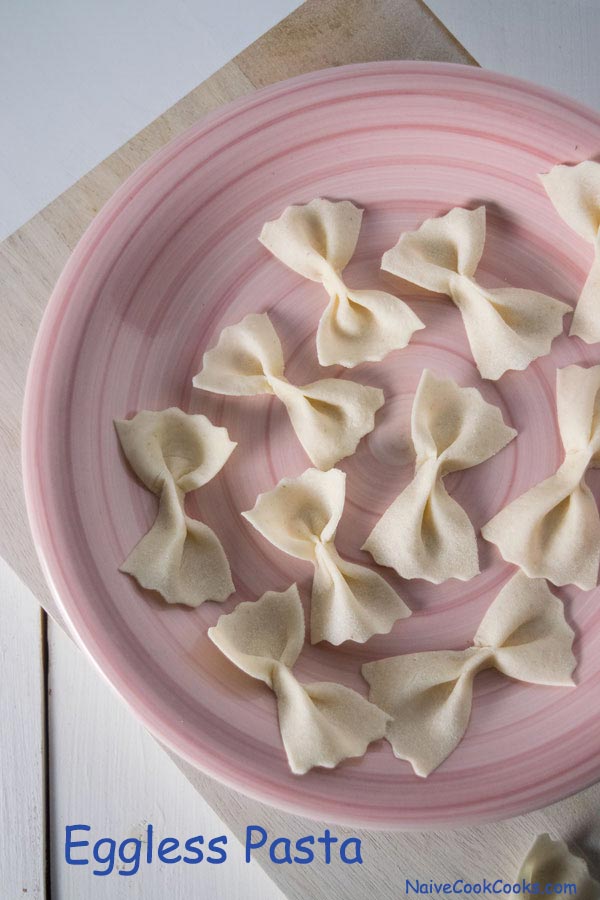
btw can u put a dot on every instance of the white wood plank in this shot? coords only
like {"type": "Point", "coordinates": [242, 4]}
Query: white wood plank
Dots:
{"type": "Point", "coordinates": [107, 772]}
{"type": "Point", "coordinates": [22, 795]}
{"type": "Point", "coordinates": [86, 76]}
{"type": "Point", "coordinates": [551, 42]}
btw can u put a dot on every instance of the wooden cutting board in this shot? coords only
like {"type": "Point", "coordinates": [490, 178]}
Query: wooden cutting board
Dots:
{"type": "Point", "coordinates": [320, 33]}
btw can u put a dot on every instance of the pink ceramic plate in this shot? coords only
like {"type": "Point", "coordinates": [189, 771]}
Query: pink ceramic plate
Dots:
{"type": "Point", "coordinates": [173, 258]}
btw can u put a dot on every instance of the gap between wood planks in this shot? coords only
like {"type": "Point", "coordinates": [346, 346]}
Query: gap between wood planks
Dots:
{"type": "Point", "coordinates": [46, 835]}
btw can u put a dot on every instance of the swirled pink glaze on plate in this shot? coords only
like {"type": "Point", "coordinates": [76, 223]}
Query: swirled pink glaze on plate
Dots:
{"type": "Point", "coordinates": [171, 260]}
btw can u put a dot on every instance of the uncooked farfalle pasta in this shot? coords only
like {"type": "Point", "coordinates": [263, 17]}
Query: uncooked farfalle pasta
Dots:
{"type": "Point", "coordinates": [173, 453]}
{"type": "Point", "coordinates": [421, 702]}
{"type": "Point", "coordinates": [425, 533]}
{"type": "Point", "coordinates": [317, 241]}
{"type": "Point", "coordinates": [300, 516]}
{"type": "Point", "coordinates": [550, 862]}
{"type": "Point", "coordinates": [524, 635]}
{"type": "Point", "coordinates": [321, 724]}
{"type": "Point", "coordinates": [553, 530]}
{"type": "Point", "coordinates": [507, 328]}
{"type": "Point", "coordinates": [575, 193]}
{"type": "Point", "coordinates": [329, 416]}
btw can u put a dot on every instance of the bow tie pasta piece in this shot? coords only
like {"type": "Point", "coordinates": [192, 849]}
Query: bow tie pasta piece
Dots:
{"type": "Point", "coordinates": [523, 635]}
{"type": "Point", "coordinates": [425, 533]}
{"type": "Point", "coordinates": [173, 453]}
{"type": "Point", "coordinates": [329, 416]}
{"type": "Point", "coordinates": [575, 194]}
{"type": "Point", "coordinates": [321, 724]}
{"type": "Point", "coordinates": [551, 862]}
{"type": "Point", "coordinates": [507, 328]}
{"type": "Point", "coordinates": [317, 241]}
{"type": "Point", "coordinates": [300, 516]}
{"type": "Point", "coordinates": [553, 530]}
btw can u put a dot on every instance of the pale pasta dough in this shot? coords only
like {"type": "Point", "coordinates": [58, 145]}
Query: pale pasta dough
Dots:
{"type": "Point", "coordinates": [329, 416]}
{"type": "Point", "coordinates": [550, 862]}
{"type": "Point", "coordinates": [321, 724]}
{"type": "Point", "coordinates": [425, 533]}
{"type": "Point", "coordinates": [300, 516]}
{"type": "Point", "coordinates": [173, 453]}
{"type": "Point", "coordinates": [317, 241]}
{"type": "Point", "coordinates": [523, 635]}
{"type": "Point", "coordinates": [553, 530]}
{"type": "Point", "coordinates": [507, 328]}
{"type": "Point", "coordinates": [575, 193]}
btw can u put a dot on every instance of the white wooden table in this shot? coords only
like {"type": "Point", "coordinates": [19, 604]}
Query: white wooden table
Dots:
{"type": "Point", "coordinates": [79, 748]}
